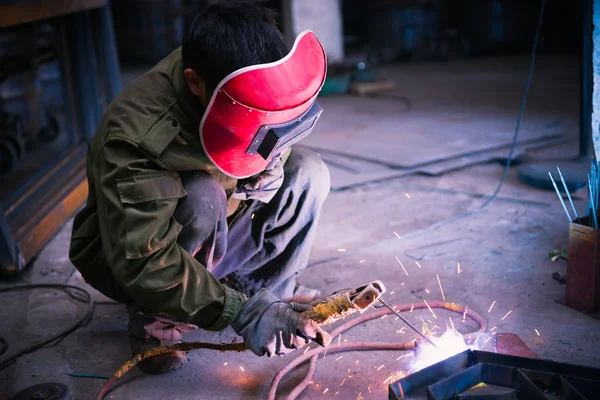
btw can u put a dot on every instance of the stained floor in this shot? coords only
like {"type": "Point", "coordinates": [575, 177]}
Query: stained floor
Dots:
{"type": "Point", "coordinates": [502, 251]}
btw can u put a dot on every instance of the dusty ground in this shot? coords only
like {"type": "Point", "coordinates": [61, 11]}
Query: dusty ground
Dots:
{"type": "Point", "coordinates": [502, 251]}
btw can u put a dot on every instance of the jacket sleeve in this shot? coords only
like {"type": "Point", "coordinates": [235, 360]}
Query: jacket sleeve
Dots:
{"type": "Point", "coordinates": [136, 204]}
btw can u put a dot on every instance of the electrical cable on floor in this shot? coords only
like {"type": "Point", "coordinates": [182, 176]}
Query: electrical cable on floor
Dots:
{"type": "Point", "coordinates": [59, 336]}
{"type": "Point", "coordinates": [509, 159]}
{"type": "Point", "coordinates": [312, 354]}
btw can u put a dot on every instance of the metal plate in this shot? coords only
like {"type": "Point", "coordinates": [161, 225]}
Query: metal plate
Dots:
{"type": "Point", "coordinates": [43, 391]}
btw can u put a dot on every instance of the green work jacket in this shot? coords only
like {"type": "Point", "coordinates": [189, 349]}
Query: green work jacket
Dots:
{"type": "Point", "coordinates": [124, 240]}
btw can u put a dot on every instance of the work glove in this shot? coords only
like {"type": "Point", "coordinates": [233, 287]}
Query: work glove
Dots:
{"type": "Point", "coordinates": [262, 187]}
{"type": "Point", "coordinates": [270, 326]}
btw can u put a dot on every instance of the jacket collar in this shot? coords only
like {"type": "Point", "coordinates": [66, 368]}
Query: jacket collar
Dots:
{"type": "Point", "coordinates": [189, 103]}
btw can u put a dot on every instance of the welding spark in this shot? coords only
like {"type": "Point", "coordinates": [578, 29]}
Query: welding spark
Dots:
{"type": "Point", "coordinates": [382, 365]}
{"type": "Point", "coordinates": [252, 216]}
{"type": "Point", "coordinates": [491, 330]}
{"type": "Point", "coordinates": [536, 331]}
{"type": "Point", "coordinates": [441, 289]}
{"type": "Point", "coordinates": [451, 323]}
{"type": "Point", "coordinates": [418, 265]}
{"type": "Point", "coordinates": [400, 262]}
{"type": "Point", "coordinates": [341, 250]}
{"type": "Point", "coordinates": [407, 195]}
{"type": "Point", "coordinates": [459, 270]}
{"type": "Point", "coordinates": [427, 291]}
{"type": "Point", "coordinates": [492, 306]}
{"type": "Point", "coordinates": [398, 236]}
{"type": "Point", "coordinates": [401, 331]}
{"type": "Point", "coordinates": [395, 319]}
{"type": "Point", "coordinates": [348, 370]}
{"type": "Point", "coordinates": [506, 315]}
{"type": "Point", "coordinates": [410, 355]}
{"type": "Point", "coordinates": [307, 348]}
{"type": "Point", "coordinates": [345, 340]}
{"type": "Point", "coordinates": [339, 358]}
{"type": "Point", "coordinates": [361, 261]}
{"type": "Point", "coordinates": [412, 308]}
{"type": "Point", "coordinates": [325, 391]}
{"type": "Point", "coordinates": [399, 358]}
{"type": "Point", "coordinates": [434, 316]}
{"type": "Point", "coordinates": [311, 382]}
{"type": "Point", "coordinates": [356, 362]}
{"type": "Point", "coordinates": [336, 393]}
{"type": "Point", "coordinates": [389, 378]}
{"type": "Point", "coordinates": [488, 339]}
{"type": "Point", "coordinates": [360, 396]}
{"type": "Point", "coordinates": [242, 368]}
{"type": "Point", "coordinates": [426, 328]}
{"type": "Point", "coordinates": [343, 380]}
{"type": "Point", "coordinates": [392, 292]}
{"type": "Point", "coordinates": [369, 387]}
{"type": "Point", "coordinates": [339, 338]}
{"type": "Point", "coordinates": [465, 314]}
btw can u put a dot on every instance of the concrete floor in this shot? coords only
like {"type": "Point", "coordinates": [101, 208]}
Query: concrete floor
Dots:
{"type": "Point", "coordinates": [502, 251]}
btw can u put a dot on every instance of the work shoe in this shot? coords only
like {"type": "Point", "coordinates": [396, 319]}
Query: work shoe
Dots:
{"type": "Point", "coordinates": [149, 330]}
{"type": "Point", "coordinates": [157, 364]}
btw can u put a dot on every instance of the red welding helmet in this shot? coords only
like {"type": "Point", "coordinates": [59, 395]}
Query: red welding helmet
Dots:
{"type": "Point", "coordinates": [257, 112]}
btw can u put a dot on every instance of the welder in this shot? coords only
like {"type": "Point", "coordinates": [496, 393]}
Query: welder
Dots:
{"type": "Point", "coordinates": [200, 212]}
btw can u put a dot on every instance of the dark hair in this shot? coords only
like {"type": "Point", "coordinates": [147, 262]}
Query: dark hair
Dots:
{"type": "Point", "coordinates": [230, 35]}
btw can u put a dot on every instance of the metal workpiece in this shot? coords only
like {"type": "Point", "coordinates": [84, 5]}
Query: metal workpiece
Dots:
{"type": "Point", "coordinates": [475, 374]}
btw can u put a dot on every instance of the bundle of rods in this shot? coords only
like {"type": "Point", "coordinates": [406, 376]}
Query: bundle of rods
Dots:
{"type": "Point", "coordinates": [311, 355]}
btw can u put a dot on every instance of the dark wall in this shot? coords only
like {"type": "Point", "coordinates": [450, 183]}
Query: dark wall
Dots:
{"type": "Point", "coordinates": [442, 28]}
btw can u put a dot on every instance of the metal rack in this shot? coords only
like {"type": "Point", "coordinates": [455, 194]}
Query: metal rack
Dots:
{"type": "Point", "coordinates": [33, 214]}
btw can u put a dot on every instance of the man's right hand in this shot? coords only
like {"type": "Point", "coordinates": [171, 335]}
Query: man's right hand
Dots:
{"type": "Point", "coordinates": [270, 326]}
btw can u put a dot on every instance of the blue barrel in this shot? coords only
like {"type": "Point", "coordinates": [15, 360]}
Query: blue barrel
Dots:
{"type": "Point", "coordinates": [148, 30]}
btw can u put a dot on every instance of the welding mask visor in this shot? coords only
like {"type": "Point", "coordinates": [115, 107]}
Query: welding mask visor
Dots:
{"type": "Point", "coordinates": [258, 112]}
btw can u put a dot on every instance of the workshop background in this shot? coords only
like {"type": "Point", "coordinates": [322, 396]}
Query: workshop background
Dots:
{"type": "Point", "coordinates": [439, 131]}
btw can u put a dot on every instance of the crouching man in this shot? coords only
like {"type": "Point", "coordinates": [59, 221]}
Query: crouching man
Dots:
{"type": "Point", "coordinates": [199, 213]}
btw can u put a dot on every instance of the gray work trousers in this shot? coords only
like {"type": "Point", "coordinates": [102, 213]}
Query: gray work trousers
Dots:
{"type": "Point", "coordinates": [268, 245]}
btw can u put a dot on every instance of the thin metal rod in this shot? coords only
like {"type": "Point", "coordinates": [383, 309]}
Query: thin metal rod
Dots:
{"type": "Point", "coordinates": [560, 197]}
{"type": "Point", "coordinates": [567, 192]}
{"type": "Point", "coordinates": [593, 205]}
{"type": "Point", "coordinates": [414, 328]}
